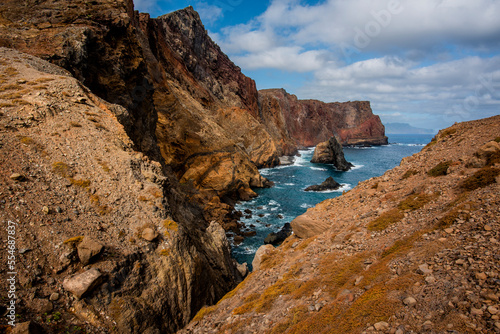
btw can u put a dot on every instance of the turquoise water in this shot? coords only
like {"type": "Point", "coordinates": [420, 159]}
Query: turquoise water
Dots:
{"type": "Point", "coordinates": [287, 199]}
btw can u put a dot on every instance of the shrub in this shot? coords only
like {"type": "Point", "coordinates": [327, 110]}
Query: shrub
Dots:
{"type": "Point", "coordinates": [409, 173]}
{"type": "Point", "coordinates": [482, 178]}
{"type": "Point", "coordinates": [61, 169]}
{"type": "Point", "coordinates": [440, 169]}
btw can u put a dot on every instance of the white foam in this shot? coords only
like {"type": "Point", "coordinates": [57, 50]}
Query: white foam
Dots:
{"type": "Point", "coordinates": [306, 206]}
{"type": "Point", "coordinates": [318, 168]}
{"type": "Point", "coordinates": [288, 184]}
{"type": "Point", "coordinates": [273, 202]}
{"type": "Point", "coordinates": [356, 167]}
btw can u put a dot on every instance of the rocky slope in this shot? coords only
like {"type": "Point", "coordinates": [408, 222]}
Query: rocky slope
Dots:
{"type": "Point", "coordinates": [310, 122]}
{"type": "Point", "coordinates": [414, 250]}
{"type": "Point", "coordinates": [85, 201]}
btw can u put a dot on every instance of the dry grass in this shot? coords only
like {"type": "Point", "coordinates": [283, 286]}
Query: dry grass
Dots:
{"type": "Point", "coordinates": [82, 183]}
{"type": "Point", "coordinates": [103, 165]}
{"type": "Point", "coordinates": [482, 178]}
{"type": "Point", "coordinates": [62, 169]}
{"type": "Point", "coordinates": [73, 242]}
{"type": "Point", "coordinates": [440, 169]}
{"type": "Point", "coordinates": [101, 209]}
{"type": "Point", "coordinates": [11, 71]}
{"type": "Point", "coordinates": [415, 201]}
{"type": "Point", "coordinates": [385, 220]}
{"type": "Point", "coordinates": [10, 87]}
{"type": "Point", "coordinates": [409, 173]}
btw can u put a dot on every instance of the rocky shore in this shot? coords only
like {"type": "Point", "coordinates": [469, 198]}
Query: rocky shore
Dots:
{"type": "Point", "coordinates": [414, 250]}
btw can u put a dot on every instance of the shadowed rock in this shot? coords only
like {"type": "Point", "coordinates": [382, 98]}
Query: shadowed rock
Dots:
{"type": "Point", "coordinates": [280, 236]}
{"type": "Point", "coordinates": [328, 184]}
{"type": "Point", "coordinates": [330, 152]}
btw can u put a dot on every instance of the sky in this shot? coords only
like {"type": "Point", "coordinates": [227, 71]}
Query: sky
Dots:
{"type": "Point", "coordinates": [429, 63]}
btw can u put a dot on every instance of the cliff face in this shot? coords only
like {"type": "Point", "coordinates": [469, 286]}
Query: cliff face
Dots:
{"type": "Point", "coordinates": [86, 201]}
{"type": "Point", "coordinates": [414, 250]}
{"type": "Point", "coordinates": [310, 122]}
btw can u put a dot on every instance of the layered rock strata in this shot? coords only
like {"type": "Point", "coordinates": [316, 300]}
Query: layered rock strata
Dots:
{"type": "Point", "coordinates": [293, 122]}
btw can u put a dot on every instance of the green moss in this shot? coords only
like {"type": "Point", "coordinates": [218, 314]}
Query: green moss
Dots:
{"type": "Point", "coordinates": [440, 169]}
{"type": "Point", "coordinates": [385, 220]}
{"type": "Point", "coordinates": [482, 178]}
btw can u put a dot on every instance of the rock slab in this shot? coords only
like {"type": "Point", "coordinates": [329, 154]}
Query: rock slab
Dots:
{"type": "Point", "coordinates": [88, 249]}
{"type": "Point", "coordinates": [261, 252]}
{"type": "Point", "coordinates": [82, 283]}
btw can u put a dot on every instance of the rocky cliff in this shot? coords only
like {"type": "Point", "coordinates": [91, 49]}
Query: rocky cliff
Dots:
{"type": "Point", "coordinates": [105, 238]}
{"type": "Point", "coordinates": [309, 122]}
{"type": "Point", "coordinates": [136, 140]}
{"type": "Point", "coordinates": [415, 250]}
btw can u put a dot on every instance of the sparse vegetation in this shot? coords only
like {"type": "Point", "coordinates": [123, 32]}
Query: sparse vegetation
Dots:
{"type": "Point", "coordinates": [385, 220]}
{"type": "Point", "coordinates": [164, 252]}
{"type": "Point", "coordinates": [482, 178]}
{"type": "Point", "coordinates": [409, 173]}
{"type": "Point", "coordinates": [62, 169]}
{"type": "Point", "coordinates": [103, 165]}
{"type": "Point", "coordinates": [73, 242]}
{"type": "Point", "coordinates": [415, 201]}
{"type": "Point", "coordinates": [440, 169]}
{"type": "Point", "coordinates": [170, 226]}
{"type": "Point", "coordinates": [82, 183]}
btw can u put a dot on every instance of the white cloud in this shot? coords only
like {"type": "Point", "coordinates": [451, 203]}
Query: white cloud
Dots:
{"type": "Point", "coordinates": [284, 58]}
{"type": "Point", "coordinates": [208, 13]}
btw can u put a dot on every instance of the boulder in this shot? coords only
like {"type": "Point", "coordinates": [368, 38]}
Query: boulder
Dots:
{"type": "Point", "coordinates": [88, 249]}
{"type": "Point", "coordinates": [149, 234]}
{"type": "Point", "coordinates": [28, 327]}
{"type": "Point", "coordinates": [306, 226]}
{"type": "Point", "coordinates": [287, 160]}
{"type": "Point", "coordinates": [328, 184]}
{"type": "Point", "coordinates": [242, 269]}
{"type": "Point", "coordinates": [277, 238]}
{"type": "Point", "coordinates": [82, 283]}
{"type": "Point", "coordinates": [261, 252]}
{"type": "Point", "coordinates": [330, 152]}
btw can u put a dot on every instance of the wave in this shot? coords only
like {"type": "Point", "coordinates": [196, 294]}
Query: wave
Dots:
{"type": "Point", "coordinates": [306, 206]}
{"type": "Point", "coordinates": [356, 167]}
{"type": "Point", "coordinates": [318, 168]}
{"type": "Point", "coordinates": [343, 187]}
{"type": "Point", "coordinates": [288, 184]}
{"type": "Point", "coordinates": [273, 202]}
{"type": "Point", "coordinates": [407, 144]}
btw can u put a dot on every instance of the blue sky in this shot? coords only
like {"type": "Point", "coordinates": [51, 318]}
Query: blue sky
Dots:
{"type": "Point", "coordinates": [428, 63]}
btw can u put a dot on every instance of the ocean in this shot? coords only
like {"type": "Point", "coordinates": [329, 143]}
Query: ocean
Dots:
{"type": "Point", "coordinates": [287, 199]}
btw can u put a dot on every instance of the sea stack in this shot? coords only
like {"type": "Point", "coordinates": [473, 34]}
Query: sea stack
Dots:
{"type": "Point", "coordinates": [330, 152]}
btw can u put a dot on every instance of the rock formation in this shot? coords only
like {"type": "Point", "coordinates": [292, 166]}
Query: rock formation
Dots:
{"type": "Point", "coordinates": [293, 122]}
{"type": "Point", "coordinates": [400, 253]}
{"type": "Point", "coordinates": [328, 184]}
{"type": "Point", "coordinates": [140, 134]}
{"type": "Point", "coordinates": [81, 206]}
{"type": "Point", "coordinates": [330, 152]}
